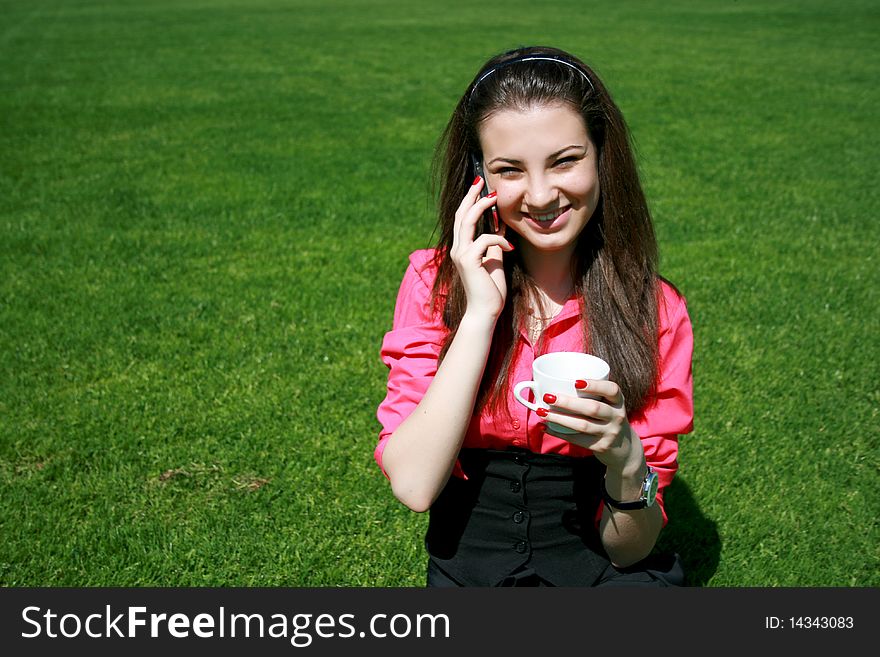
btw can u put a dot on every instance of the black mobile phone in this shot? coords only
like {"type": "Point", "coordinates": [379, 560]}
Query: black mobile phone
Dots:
{"type": "Point", "coordinates": [489, 221]}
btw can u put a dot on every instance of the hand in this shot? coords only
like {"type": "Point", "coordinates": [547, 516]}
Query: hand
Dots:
{"type": "Point", "coordinates": [601, 424]}
{"type": "Point", "coordinates": [479, 261]}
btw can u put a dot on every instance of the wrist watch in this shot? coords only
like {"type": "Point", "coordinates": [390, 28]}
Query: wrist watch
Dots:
{"type": "Point", "coordinates": [646, 498]}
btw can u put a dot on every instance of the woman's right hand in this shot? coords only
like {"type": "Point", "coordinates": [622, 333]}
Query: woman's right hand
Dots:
{"type": "Point", "coordinates": [479, 261]}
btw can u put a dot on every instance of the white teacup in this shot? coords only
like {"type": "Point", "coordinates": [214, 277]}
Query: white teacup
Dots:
{"type": "Point", "coordinates": [556, 373]}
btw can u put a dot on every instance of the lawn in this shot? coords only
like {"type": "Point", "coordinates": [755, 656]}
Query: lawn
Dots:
{"type": "Point", "coordinates": [206, 207]}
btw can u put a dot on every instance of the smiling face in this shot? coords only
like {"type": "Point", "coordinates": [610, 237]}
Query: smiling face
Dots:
{"type": "Point", "coordinates": [542, 164]}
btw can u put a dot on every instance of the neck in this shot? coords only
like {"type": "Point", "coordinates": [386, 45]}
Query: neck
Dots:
{"type": "Point", "coordinates": [550, 270]}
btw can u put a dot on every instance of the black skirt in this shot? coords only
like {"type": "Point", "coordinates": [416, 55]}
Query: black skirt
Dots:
{"type": "Point", "coordinates": [519, 512]}
{"type": "Point", "coordinates": [526, 519]}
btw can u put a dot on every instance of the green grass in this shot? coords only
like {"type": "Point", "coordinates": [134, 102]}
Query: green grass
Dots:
{"type": "Point", "coordinates": [205, 211]}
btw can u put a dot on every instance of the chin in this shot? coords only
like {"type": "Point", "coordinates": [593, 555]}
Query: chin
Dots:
{"type": "Point", "coordinates": [550, 244]}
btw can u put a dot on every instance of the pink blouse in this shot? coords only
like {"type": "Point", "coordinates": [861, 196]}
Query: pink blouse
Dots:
{"type": "Point", "coordinates": [411, 350]}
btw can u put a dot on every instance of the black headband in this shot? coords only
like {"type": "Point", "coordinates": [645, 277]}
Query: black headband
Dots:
{"type": "Point", "coordinates": [530, 58]}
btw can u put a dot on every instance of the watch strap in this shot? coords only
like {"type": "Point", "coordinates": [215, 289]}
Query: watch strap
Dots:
{"type": "Point", "coordinates": [645, 498]}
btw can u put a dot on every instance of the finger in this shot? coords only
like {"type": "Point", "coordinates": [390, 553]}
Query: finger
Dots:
{"type": "Point", "coordinates": [495, 253]}
{"type": "Point", "coordinates": [491, 245]}
{"type": "Point", "coordinates": [476, 186]}
{"type": "Point", "coordinates": [587, 441]}
{"type": "Point", "coordinates": [467, 224]}
{"type": "Point", "coordinates": [607, 389]}
{"type": "Point", "coordinates": [467, 202]}
{"type": "Point", "coordinates": [493, 263]}
{"type": "Point", "coordinates": [592, 408]}
{"type": "Point", "coordinates": [576, 423]}
{"type": "Point", "coordinates": [473, 193]}
{"type": "Point", "coordinates": [577, 438]}
{"type": "Point", "coordinates": [490, 257]}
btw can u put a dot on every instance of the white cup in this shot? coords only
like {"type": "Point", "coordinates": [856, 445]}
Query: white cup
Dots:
{"type": "Point", "coordinates": [556, 373]}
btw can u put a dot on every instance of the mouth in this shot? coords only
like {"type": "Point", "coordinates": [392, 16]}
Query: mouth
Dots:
{"type": "Point", "coordinates": [546, 218]}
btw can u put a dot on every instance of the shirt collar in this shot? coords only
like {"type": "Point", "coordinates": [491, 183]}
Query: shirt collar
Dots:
{"type": "Point", "coordinates": [571, 308]}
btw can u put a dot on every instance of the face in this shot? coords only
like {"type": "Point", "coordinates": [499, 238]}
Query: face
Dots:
{"type": "Point", "coordinates": [542, 164]}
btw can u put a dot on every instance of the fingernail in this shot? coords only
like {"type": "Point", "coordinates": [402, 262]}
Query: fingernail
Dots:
{"type": "Point", "coordinates": [491, 194]}
{"type": "Point", "coordinates": [542, 412]}
{"type": "Point", "coordinates": [580, 384]}
{"type": "Point", "coordinates": [510, 246]}
{"type": "Point", "coordinates": [549, 398]}
{"type": "Point", "coordinates": [476, 180]}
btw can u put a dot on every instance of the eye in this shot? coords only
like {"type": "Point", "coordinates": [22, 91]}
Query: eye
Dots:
{"type": "Point", "coordinates": [564, 162]}
{"type": "Point", "coordinates": [506, 172]}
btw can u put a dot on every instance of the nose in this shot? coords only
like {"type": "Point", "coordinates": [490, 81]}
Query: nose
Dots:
{"type": "Point", "coordinates": [541, 193]}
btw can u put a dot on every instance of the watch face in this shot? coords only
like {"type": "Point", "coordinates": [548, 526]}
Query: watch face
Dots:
{"type": "Point", "coordinates": [651, 487]}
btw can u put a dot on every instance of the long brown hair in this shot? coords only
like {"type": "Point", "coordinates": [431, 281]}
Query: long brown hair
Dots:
{"type": "Point", "coordinates": [614, 267]}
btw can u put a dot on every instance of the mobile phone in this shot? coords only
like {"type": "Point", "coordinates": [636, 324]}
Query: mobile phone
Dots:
{"type": "Point", "coordinates": [489, 221]}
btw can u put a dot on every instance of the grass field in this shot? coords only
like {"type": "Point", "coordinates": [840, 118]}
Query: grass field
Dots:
{"type": "Point", "coordinates": [206, 208]}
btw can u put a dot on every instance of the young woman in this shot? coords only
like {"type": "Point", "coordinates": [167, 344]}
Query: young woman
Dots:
{"type": "Point", "coordinates": [572, 266]}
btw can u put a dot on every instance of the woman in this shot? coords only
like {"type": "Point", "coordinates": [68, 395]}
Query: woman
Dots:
{"type": "Point", "coordinates": [571, 267]}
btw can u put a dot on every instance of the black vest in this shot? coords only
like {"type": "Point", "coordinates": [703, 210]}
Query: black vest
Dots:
{"type": "Point", "coordinates": [518, 508]}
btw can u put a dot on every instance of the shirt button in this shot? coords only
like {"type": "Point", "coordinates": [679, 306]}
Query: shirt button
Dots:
{"type": "Point", "coordinates": [516, 424]}
{"type": "Point", "coordinates": [518, 517]}
{"type": "Point", "coordinates": [515, 486]}
{"type": "Point", "coordinates": [521, 547]}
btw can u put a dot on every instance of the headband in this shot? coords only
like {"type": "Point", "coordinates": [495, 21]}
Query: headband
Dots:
{"type": "Point", "coordinates": [530, 58]}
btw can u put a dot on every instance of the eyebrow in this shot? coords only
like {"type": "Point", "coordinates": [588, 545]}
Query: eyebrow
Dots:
{"type": "Point", "coordinates": [550, 157]}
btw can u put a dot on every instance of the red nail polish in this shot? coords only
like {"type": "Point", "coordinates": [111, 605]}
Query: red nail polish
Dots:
{"type": "Point", "coordinates": [549, 398]}
{"type": "Point", "coordinates": [542, 412]}
{"type": "Point", "coordinates": [491, 194]}
{"type": "Point", "coordinates": [580, 384]}
{"type": "Point", "coordinates": [476, 180]}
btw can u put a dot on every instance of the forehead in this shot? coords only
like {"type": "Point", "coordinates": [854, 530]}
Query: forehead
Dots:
{"type": "Point", "coordinates": [539, 129]}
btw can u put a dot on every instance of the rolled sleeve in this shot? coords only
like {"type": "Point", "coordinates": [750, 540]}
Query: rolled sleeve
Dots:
{"type": "Point", "coordinates": [671, 412]}
{"type": "Point", "coordinates": [411, 349]}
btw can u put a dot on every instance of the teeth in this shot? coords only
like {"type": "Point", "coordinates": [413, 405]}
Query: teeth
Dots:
{"type": "Point", "coordinates": [547, 217]}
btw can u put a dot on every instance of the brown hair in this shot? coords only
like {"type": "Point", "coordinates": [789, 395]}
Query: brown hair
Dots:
{"type": "Point", "coordinates": [615, 262]}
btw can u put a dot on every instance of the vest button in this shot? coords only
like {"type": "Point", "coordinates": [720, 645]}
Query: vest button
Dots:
{"type": "Point", "coordinates": [515, 486]}
{"type": "Point", "coordinates": [518, 517]}
{"type": "Point", "coordinates": [521, 547]}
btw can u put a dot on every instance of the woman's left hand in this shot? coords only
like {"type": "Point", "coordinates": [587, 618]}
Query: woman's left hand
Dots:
{"type": "Point", "coordinates": [601, 424]}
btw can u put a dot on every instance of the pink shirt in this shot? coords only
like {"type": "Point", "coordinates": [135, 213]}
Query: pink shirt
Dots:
{"type": "Point", "coordinates": [412, 347]}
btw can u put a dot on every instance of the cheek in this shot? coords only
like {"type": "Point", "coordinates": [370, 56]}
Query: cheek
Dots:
{"type": "Point", "coordinates": [508, 199]}
{"type": "Point", "coordinates": [588, 190]}
{"type": "Point", "coordinates": [594, 193]}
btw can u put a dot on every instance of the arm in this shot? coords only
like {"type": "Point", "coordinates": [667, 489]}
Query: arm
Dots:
{"type": "Point", "coordinates": [419, 455]}
{"type": "Point", "coordinates": [603, 428]}
{"type": "Point", "coordinates": [629, 536]}
{"type": "Point", "coordinates": [625, 445]}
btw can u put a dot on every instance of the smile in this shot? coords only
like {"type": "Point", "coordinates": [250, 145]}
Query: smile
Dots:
{"type": "Point", "coordinates": [546, 217]}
